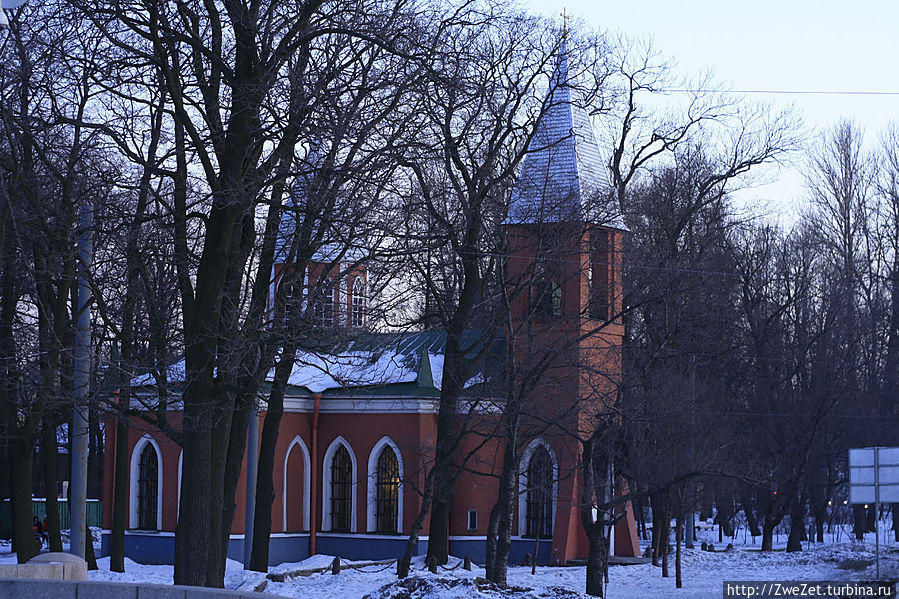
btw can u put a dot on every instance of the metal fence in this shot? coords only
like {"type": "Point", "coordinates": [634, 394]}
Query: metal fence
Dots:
{"type": "Point", "coordinates": [39, 509]}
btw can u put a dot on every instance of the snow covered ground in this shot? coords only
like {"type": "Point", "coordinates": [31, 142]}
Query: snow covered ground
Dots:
{"type": "Point", "coordinates": [704, 573]}
{"type": "Point", "coordinates": [840, 559]}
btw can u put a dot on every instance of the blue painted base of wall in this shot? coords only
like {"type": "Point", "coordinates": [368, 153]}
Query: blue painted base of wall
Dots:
{"type": "Point", "coordinates": [476, 549]}
{"type": "Point", "coordinates": [159, 547]}
{"type": "Point", "coordinates": [363, 547]}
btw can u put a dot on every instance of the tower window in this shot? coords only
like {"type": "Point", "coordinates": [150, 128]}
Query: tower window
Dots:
{"type": "Point", "coordinates": [548, 298]}
{"type": "Point", "coordinates": [539, 495]}
{"type": "Point", "coordinates": [600, 268]}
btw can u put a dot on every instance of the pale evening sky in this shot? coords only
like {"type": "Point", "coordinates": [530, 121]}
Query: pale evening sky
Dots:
{"type": "Point", "coordinates": [786, 45]}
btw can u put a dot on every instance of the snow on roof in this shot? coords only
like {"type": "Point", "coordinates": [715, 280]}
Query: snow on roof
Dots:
{"type": "Point", "coordinates": [175, 373]}
{"type": "Point", "coordinates": [383, 359]}
{"type": "Point", "coordinates": [320, 373]}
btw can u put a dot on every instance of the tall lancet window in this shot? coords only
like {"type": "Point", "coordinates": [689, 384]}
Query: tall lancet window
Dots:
{"type": "Point", "coordinates": [600, 269]}
{"type": "Point", "coordinates": [147, 488]}
{"type": "Point", "coordinates": [540, 495]}
{"type": "Point", "coordinates": [341, 490]}
{"type": "Point", "coordinates": [357, 312]}
{"type": "Point", "coordinates": [388, 491]}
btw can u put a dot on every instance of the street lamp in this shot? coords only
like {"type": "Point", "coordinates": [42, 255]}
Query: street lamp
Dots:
{"type": "Point", "coordinates": [8, 5]}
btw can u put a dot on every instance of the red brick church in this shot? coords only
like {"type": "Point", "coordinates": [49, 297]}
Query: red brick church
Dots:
{"type": "Point", "coordinates": [359, 423]}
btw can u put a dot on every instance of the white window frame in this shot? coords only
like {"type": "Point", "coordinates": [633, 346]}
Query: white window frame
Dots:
{"type": "Point", "coordinates": [135, 475]}
{"type": "Point", "coordinates": [371, 524]}
{"type": "Point", "coordinates": [472, 515]}
{"type": "Point", "coordinates": [297, 442]}
{"type": "Point", "coordinates": [523, 484]}
{"type": "Point", "coordinates": [358, 292]}
{"type": "Point", "coordinates": [326, 484]}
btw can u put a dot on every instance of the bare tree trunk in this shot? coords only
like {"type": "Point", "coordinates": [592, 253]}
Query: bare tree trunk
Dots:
{"type": "Point", "coordinates": [818, 503]}
{"type": "Point", "coordinates": [504, 506]}
{"type": "Point", "coordinates": [725, 516]}
{"type": "Point", "coordinates": [455, 372]}
{"type": "Point", "coordinates": [237, 445]}
{"type": "Point", "coordinates": [641, 518]}
{"type": "Point", "coordinates": [265, 484]}
{"type": "Point", "coordinates": [893, 508]}
{"type": "Point", "coordinates": [96, 457]}
{"type": "Point", "coordinates": [49, 449]}
{"type": "Point", "coordinates": [89, 556]}
{"type": "Point", "coordinates": [860, 522]}
{"type": "Point", "coordinates": [191, 552]}
{"type": "Point", "coordinates": [596, 557]}
{"type": "Point", "coordinates": [748, 503]}
{"type": "Point", "coordinates": [119, 494]}
{"type": "Point", "coordinates": [490, 548]}
{"type": "Point", "coordinates": [678, 534]}
{"type": "Point", "coordinates": [597, 548]}
{"type": "Point", "coordinates": [402, 564]}
{"type": "Point", "coordinates": [665, 537]}
{"type": "Point", "coordinates": [657, 517]}
{"type": "Point", "coordinates": [797, 524]}
{"type": "Point", "coordinates": [221, 433]}
{"type": "Point", "coordinates": [20, 478]}
{"type": "Point", "coordinates": [768, 536]}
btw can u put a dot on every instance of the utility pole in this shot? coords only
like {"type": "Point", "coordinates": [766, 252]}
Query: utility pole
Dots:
{"type": "Point", "coordinates": [81, 379]}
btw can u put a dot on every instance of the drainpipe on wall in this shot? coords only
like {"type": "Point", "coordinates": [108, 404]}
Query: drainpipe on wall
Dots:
{"type": "Point", "coordinates": [313, 500]}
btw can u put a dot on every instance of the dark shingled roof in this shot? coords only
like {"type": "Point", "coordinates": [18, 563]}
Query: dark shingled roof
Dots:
{"type": "Point", "coordinates": [562, 178]}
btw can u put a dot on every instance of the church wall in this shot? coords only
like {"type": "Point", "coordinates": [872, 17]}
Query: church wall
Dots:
{"type": "Point", "coordinates": [476, 486]}
{"type": "Point", "coordinates": [171, 452]}
{"type": "Point", "coordinates": [362, 432]}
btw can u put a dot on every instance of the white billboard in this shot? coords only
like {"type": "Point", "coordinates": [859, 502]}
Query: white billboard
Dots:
{"type": "Point", "coordinates": [874, 475]}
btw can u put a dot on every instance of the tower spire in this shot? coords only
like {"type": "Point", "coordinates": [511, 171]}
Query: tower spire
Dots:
{"type": "Point", "coordinates": [562, 178]}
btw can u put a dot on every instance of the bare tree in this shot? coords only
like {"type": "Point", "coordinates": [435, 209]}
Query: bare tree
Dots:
{"type": "Point", "coordinates": [45, 162]}
{"type": "Point", "coordinates": [482, 102]}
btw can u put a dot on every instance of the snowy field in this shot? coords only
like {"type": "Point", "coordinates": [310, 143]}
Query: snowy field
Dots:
{"type": "Point", "coordinates": [840, 559]}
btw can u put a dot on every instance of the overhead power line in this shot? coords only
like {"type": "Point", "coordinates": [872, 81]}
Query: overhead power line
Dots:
{"type": "Point", "coordinates": [785, 92]}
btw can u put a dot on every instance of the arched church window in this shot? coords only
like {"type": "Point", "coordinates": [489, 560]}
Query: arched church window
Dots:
{"type": "Point", "coordinates": [387, 491]}
{"type": "Point", "coordinates": [357, 312]}
{"type": "Point", "coordinates": [539, 494]}
{"type": "Point", "coordinates": [147, 488]}
{"type": "Point", "coordinates": [341, 490]}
